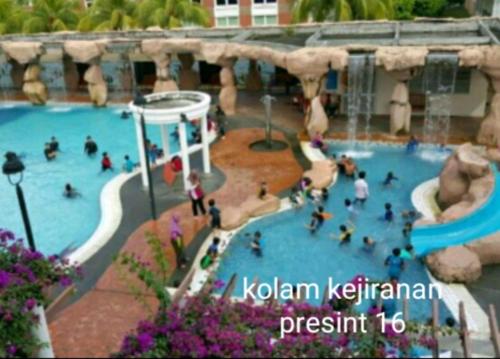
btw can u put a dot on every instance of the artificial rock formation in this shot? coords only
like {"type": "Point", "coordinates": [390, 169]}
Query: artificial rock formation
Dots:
{"type": "Point", "coordinates": [401, 63]}
{"type": "Point", "coordinates": [28, 53]}
{"type": "Point", "coordinates": [228, 92]}
{"type": "Point", "coordinates": [321, 173]}
{"type": "Point", "coordinates": [156, 50]}
{"type": "Point", "coordinates": [253, 80]}
{"type": "Point", "coordinates": [188, 78]}
{"type": "Point", "coordinates": [318, 120]}
{"type": "Point", "coordinates": [462, 170]}
{"type": "Point", "coordinates": [234, 217]}
{"type": "Point", "coordinates": [455, 265]}
{"type": "Point", "coordinates": [91, 52]}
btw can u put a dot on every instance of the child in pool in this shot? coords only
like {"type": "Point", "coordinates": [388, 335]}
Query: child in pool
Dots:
{"type": "Point", "coordinates": [368, 244]}
{"type": "Point", "coordinates": [317, 220]}
{"type": "Point", "coordinates": [346, 231]}
{"type": "Point", "coordinates": [255, 245]}
{"type": "Point", "coordinates": [389, 179]}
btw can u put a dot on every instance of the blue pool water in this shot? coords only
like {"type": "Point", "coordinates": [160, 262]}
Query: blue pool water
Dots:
{"type": "Point", "coordinates": [293, 255]}
{"type": "Point", "coordinates": [60, 224]}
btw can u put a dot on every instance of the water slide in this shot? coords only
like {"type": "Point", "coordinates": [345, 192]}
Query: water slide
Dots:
{"type": "Point", "coordinates": [479, 224]}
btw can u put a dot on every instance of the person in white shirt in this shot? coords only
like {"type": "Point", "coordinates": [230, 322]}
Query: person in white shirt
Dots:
{"type": "Point", "coordinates": [361, 188]}
{"type": "Point", "coordinates": [195, 193]}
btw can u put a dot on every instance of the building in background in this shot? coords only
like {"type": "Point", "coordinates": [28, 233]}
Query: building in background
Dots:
{"type": "Point", "coordinates": [486, 7]}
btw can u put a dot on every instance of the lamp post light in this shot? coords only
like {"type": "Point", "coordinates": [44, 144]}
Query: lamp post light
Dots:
{"type": "Point", "coordinates": [140, 102]}
{"type": "Point", "coordinates": [11, 168]}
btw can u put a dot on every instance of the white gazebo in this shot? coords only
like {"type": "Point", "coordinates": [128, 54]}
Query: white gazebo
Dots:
{"type": "Point", "coordinates": [167, 108]}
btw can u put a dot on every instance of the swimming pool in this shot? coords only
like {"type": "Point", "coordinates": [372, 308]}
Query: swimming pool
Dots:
{"type": "Point", "coordinates": [60, 224]}
{"type": "Point", "coordinates": [294, 256]}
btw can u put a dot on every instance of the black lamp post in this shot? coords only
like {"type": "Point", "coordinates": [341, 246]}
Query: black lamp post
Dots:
{"type": "Point", "coordinates": [140, 102]}
{"type": "Point", "coordinates": [12, 167]}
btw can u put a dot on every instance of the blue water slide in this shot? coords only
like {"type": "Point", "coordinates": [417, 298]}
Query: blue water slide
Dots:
{"type": "Point", "coordinates": [479, 224]}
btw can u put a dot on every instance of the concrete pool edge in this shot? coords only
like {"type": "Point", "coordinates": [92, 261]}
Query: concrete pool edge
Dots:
{"type": "Point", "coordinates": [112, 210]}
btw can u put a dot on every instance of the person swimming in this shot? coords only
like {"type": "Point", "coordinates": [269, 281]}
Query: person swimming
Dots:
{"type": "Point", "coordinates": [389, 214]}
{"type": "Point", "coordinates": [129, 165]}
{"type": "Point", "coordinates": [395, 263]}
{"type": "Point", "coordinates": [256, 245]}
{"type": "Point", "coordinates": [317, 220]}
{"type": "Point", "coordinates": [412, 145]}
{"type": "Point", "coordinates": [389, 179]}
{"type": "Point", "coordinates": [125, 115]}
{"type": "Point", "coordinates": [49, 153]}
{"type": "Point", "coordinates": [70, 191]}
{"type": "Point", "coordinates": [368, 244]}
{"type": "Point", "coordinates": [346, 231]}
{"type": "Point", "coordinates": [106, 163]}
{"type": "Point", "coordinates": [90, 147]}
{"type": "Point", "coordinates": [54, 144]}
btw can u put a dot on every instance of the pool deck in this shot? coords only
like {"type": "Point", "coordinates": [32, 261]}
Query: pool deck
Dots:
{"type": "Point", "coordinates": [94, 325]}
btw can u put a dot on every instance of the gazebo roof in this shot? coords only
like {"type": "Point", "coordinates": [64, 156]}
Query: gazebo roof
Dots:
{"type": "Point", "coordinates": [359, 34]}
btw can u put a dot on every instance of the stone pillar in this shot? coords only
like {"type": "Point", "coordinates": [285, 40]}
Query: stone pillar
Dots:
{"type": "Point", "coordinates": [400, 107]}
{"type": "Point", "coordinates": [228, 92]}
{"type": "Point", "coordinates": [253, 80]}
{"type": "Point", "coordinates": [489, 133]}
{"type": "Point", "coordinates": [188, 78]}
{"type": "Point", "coordinates": [97, 86]}
{"type": "Point", "coordinates": [163, 80]}
{"type": "Point", "coordinates": [33, 87]}
{"type": "Point", "coordinates": [318, 120]}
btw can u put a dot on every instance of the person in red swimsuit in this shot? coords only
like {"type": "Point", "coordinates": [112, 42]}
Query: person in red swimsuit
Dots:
{"type": "Point", "coordinates": [106, 162]}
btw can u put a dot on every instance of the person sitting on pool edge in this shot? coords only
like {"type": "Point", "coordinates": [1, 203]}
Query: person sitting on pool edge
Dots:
{"type": "Point", "coordinates": [49, 153]}
{"type": "Point", "coordinates": [255, 245]}
{"type": "Point", "coordinates": [90, 147]}
{"type": "Point", "coordinates": [106, 163]}
{"type": "Point", "coordinates": [129, 165]}
{"type": "Point", "coordinates": [70, 191]}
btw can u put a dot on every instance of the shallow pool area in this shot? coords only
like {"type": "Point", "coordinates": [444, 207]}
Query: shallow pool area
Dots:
{"type": "Point", "coordinates": [295, 256]}
{"type": "Point", "coordinates": [61, 225]}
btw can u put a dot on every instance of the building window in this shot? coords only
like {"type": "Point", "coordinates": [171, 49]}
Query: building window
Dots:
{"type": "Point", "coordinates": [227, 2]}
{"type": "Point", "coordinates": [263, 20]}
{"type": "Point", "coordinates": [226, 21]}
{"type": "Point", "coordinates": [264, 1]}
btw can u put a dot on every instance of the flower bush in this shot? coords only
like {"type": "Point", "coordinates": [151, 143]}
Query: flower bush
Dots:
{"type": "Point", "coordinates": [24, 275]}
{"type": "Point", "coordinates": [206, 326]}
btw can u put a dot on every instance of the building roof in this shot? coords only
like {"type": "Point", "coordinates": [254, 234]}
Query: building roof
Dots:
{"type": "Point", "coordinates": [420, 32]}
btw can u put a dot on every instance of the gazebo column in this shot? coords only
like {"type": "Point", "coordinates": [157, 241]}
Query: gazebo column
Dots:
{"type": "Point", "coordinates": [228, 92]}
{"type": "Point", "coordinates": [205, 144]}
{"type": "Point", "coordinates": [186, 167]}
{"type": "Point", "coordinates": [142, 153]}
{"type": "Point", "coordinates": [165, 140]}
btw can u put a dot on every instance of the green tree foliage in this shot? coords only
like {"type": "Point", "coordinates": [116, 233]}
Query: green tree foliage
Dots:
{"type": "Point", "coordinates": [171, 13]}
{"type": "Point", "coordinates": [107, 15]}
{"type": "Point", "coordinates": [52, 15]}
{"type": "Point", "coordinates": [403, 9]}
{"type": "Point", "coordinates": [342, 10]}
{"type": "Point", "coordinates": [11, 17]}
{"type": "Point", "coordinates": [429, 8]}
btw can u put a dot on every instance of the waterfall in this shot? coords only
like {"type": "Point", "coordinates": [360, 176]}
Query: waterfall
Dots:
{"type": "Point", "coordinates": [439, 85]}
{"type": "Point", "coordinates": [361, 73]}
{"type": "Point", "coordinates": [52, 75]}
{"type": "Point", "coordinates": [6, 83]}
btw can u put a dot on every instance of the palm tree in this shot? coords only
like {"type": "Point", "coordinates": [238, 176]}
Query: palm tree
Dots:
{"type": "Point", "coordinates": [106, 15]}
{"type": "Point", "coordinates": [52, 15]}
{"type": "Point", "coordinates": [341, 10]}
{"type": "Point", "coordinates": [171, 13]}
{"type": "Point", "coordinates": [11, 17]}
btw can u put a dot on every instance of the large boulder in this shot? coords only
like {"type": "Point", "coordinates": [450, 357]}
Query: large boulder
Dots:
{"type": "Point", "coordinates": [401, 58]}
{"type": "Point", "coordinates": [487, 249]}
{"type": "Point", "coordinates": [256, 207]}
{"type": "Point", "coordinates": [233, 217]}
{"type": "Point", "coordinates": [85, 52]}
{"type": "Point", "coordinates": [98, 89]}
{"type": "Point", "coordinates": [489, 132]}
{"type": "Point", "coordinates": [33, 87]}
{"type": "Point", "coordinates": [317, 120]}
{"type": "Point", "coordinates": [400, 109]}
{"type": "Point", "coordinates": [165, 85]}
{"type": "Point", "coordinates": [23, 52]}
{"type": "Point", "coordinates": [460, 169]}
{"type": "Point", "coordinates": [455, 265]}
{"type": "Point", "coordinates": [321, 173]}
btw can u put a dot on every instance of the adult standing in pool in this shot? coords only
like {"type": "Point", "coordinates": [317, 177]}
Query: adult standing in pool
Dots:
{"type": "Point", "coordinates": [54, 144]}
{"type": "Point", "coordinates": [195, 193]}
{"type": "Point", "coordinates": [49, 153]}
{"type": "Point", "coordinates": [361, 188]}
{"type": "Point", "coordinates": [90, 147]}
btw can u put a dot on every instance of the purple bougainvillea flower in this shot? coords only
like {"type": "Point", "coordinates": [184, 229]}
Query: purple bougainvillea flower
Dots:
{"type": "Point", "coordinates": [66, 281]}
{"type": "Point", "coordinates": [145, 341]}
{"type": "Point", "coordinates": [4, 279]}
{"type": "Point", "coordinates": [30, 303]}
{"type": "Point", "coordinates": [219, 283]}
{"type": "Point", "coordinates": [11, 350]}
{"type": "Point", "coordinates": [6, 235]}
